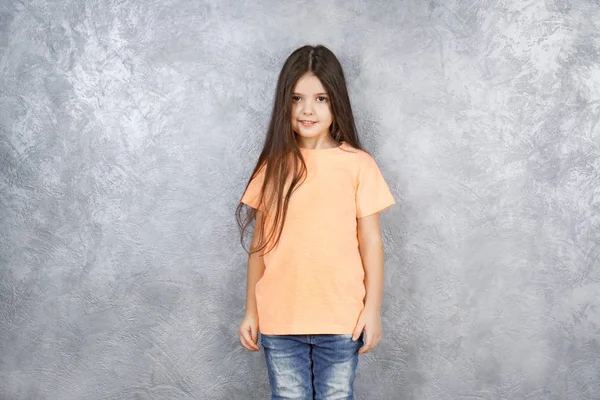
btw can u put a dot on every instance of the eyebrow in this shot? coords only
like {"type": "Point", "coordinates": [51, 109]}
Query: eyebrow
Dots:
{"type": "Point", "coordinates": [316, 94]}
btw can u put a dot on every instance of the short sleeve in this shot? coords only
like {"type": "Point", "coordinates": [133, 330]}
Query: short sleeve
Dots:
{"type": "Point", "coordinates": [252, 194]}
{"type": "Point", "coordinates": [372, 192]}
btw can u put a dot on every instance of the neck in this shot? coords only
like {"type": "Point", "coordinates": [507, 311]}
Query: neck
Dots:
{"type": "Point", "coordinates": [316, 144]}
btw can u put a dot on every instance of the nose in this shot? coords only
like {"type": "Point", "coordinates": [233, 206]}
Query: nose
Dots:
{"type": "Point", "coordinates": [307, 108]}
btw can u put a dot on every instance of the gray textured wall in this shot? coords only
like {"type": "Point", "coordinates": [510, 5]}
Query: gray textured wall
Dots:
{"type": "Point", "coordinates": [128, 129]}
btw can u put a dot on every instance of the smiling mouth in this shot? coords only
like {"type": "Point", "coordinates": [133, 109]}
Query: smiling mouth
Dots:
{"type": "Point", "coordinates": [308, 123]}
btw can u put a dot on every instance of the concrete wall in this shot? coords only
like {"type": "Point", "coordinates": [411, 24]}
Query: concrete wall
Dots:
{"type": "Point", "coordinates": [127, 131]}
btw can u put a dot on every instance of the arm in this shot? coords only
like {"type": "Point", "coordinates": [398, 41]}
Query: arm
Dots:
{"type": "Point", "coordinates": [256, 269]}
{"type": "Point", "coordinates": [371, 251]}
{"type": "Point", "coordinates": [249, 327]}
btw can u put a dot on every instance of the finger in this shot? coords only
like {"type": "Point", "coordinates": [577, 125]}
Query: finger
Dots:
{"type": "Point", "coordinates": [250, 345]}
{"type": "Point", "coordinates": [367, 344]}
{"type": "Point", "coordinates": [253, 337]}
{"type": "Point", "coordinates": [365, 349]}
{"type": "Point", "coordinates": [244, 343]}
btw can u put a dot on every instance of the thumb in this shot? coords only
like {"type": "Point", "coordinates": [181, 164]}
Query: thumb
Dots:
{"type": "Point", "coordinates": [357, 331]}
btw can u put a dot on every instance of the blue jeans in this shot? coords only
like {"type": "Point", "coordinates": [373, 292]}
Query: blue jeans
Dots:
{"type": "Point", "coordinates": [311, 367]}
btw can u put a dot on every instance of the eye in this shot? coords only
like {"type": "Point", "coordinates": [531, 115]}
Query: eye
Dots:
{"type": "Point", "coordinates": [322, 97]}
{"type": "Point", "coordinates": [295, 97]}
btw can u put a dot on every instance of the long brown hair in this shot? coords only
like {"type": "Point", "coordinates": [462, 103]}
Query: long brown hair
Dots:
{"type": "Point", "coordinates": [280, 151]}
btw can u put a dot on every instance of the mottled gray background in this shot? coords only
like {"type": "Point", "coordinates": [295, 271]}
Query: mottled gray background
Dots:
{"type": "Point", "coordinates": [128, 129]}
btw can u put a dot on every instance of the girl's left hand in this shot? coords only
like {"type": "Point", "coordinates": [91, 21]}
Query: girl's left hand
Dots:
{"type": "Point", "coordinates": [370, 322]}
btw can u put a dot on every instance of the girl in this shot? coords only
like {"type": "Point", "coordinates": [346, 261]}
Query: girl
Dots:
{"type": "Point", "coordinates": [315, 266]}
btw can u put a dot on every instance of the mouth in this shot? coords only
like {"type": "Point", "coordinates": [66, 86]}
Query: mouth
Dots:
{"type": "Point", "coordinates": [308, 123]}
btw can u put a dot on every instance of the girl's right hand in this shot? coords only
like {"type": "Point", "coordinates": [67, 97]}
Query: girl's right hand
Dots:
{"type": "Point", "coordinates": [249, 332]}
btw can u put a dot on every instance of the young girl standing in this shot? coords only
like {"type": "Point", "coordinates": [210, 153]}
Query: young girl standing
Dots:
{"type": "Point", "coordinates": [315, 266]}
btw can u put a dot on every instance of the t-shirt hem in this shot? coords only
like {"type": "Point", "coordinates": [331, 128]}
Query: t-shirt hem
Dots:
{"type": "Point", "coordinates": [328, 330]}
{"type": "Point", "coordinates": [375, 210]}
{"type": "Point", "coordinates": [250, 203]}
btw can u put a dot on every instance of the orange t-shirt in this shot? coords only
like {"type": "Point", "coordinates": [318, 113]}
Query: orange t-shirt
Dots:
{"type": "Point", "coordinates": [314, 278]}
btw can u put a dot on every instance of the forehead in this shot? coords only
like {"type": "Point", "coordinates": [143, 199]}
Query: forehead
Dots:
{"type": "Point", "coordinates": [309, 84]}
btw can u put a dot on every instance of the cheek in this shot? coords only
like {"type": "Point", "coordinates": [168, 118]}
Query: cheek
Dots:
{"type": "Point", "coordinates": [327, 112]}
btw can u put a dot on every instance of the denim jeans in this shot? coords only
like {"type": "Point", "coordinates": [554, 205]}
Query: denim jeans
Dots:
{"type": "Point", "coordinates": [311, 367]}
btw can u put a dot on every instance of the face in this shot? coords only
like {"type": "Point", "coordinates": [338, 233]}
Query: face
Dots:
{"type": "Point", "coordinates": [310, 102]}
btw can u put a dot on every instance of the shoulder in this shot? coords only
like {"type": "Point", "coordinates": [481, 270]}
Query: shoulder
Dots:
{"type": "Point", "coordinates": [360, 163]}
{"type": "Point", "coordinates": [261, 169]}
{"type": "Point", "coordinates": [348, 147]}
{"type": "Point", "coordinates": [364, 158]}
{"type": "Point", "coordinates": [360, 158]}
{"type": "Point", "coordinates": [358, 155]}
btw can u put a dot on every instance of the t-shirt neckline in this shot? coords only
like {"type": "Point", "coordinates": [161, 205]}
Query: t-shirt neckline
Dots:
{"type": "Point", "coordinates": [321, 151]}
